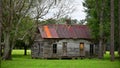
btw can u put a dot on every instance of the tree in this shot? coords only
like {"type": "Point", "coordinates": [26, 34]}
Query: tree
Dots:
{"type": "Point", "coordinates": [112, 31]}
{"type": "Point", "coordinates": [48, 21]}
{"type": "Point", "coordinates": [25, 34]}
{"type": "Point", "coordinates": [43, 9]}
{"type": "Point", "coordinates": [14, 12]}
{"type": "Point", "coordinates": [40, 9]}
{"type": "Point", "coordinates": [101, 29]}
{"type": "Point", "coordinates": [119, 26]}
{"type": "Point", "coordinates": [62, 9]}
{"type": "Point", "coordinates": [95, 19]}
{"type": "Point", "coordinates": [0, 26]}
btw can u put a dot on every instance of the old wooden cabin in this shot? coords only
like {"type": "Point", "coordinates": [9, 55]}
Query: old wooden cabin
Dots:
{"type": "Point", "coordinates": [62, 41]}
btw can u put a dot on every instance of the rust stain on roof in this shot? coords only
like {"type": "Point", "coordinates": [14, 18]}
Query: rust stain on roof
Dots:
{"type": "Point", "coordinates": [47, 31]}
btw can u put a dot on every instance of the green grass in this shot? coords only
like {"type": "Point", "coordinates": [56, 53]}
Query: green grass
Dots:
{"type": "Point", "coordinates": [21, 61]}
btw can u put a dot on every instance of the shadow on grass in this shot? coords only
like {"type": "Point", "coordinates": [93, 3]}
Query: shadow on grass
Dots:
{"type": "Point", "coordinates": [21, 56]}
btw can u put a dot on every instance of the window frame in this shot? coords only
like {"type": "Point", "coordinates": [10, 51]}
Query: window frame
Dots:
{"type": "Point", "coordinates": [54, 48]}
{"type": "Point", "coordinates": [81, 46]}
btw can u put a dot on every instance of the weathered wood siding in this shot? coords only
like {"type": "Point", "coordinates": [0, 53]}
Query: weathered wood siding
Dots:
{"type": "Point", "coordinates": [44, 48]}
{"type": "Point", "coordinates": [73, 48]}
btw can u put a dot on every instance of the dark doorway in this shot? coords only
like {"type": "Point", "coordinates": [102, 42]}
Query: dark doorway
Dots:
{"type": "Point", "coordinates": [54, 48]}
{"type": "Point", "coordinates": [91, 49]}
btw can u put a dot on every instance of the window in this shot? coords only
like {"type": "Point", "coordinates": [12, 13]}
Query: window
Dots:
{"type": "Point", "coordinates": [64, 43]}
{"type": "Point", "coordinates": [81, 46]}
{"type": "Point", "coordinates": [54, 48]}
{"type": "Point", "coordinates": [91, 49]}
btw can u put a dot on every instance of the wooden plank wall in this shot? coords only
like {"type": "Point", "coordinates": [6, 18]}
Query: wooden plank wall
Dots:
{"type": "Point", "coordinates": [44, 49]}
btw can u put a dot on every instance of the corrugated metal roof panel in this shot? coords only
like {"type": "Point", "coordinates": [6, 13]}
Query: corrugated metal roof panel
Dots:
{"type": "Point", "coordinates": [53, 33]}
{"type": "Point", "coordinates": [43, 34]}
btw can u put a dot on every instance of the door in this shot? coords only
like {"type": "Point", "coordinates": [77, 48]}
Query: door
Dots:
{"type": "Point", "coordinates": [40, 46]}
{"type": "Point", "coordinates": [64, 48]}
{"type": "Point", "coordinates": [82, 52]}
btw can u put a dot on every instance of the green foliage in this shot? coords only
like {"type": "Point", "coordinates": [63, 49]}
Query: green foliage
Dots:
{"type": "Point", "coordinates": [93, 9]}
{"type": "Point", "coordinates": [59, 21]}
{"type": "Point", "coordinates": [92, 19]}
{"type": "Point", "coordinates": [26, 32]}
{"type": "Point", "coordinates": [48, 21]}
{"type": "Point", "coordinates": [21, 61]}
{"type": "Point", "coordinates": [16, 22]}
{"type": "Point", "coordinates": [27, 26]}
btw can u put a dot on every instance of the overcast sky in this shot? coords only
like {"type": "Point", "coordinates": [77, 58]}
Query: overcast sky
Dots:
{"type": "Point", "coordinates": [79, 13]}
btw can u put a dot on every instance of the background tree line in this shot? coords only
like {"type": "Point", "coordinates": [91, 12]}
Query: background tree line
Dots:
{"type": "Point", "coordinates": [103, 17]}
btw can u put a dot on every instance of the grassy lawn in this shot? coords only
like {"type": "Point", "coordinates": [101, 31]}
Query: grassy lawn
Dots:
{"type": "Point", "coordinates": [21, 61]}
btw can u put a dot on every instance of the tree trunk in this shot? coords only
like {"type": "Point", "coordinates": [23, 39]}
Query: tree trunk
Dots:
{"type": "Point", "coordinates": [25, 50]}
{"type": "Point", "coordinates": [7, 49]}
{"type": "Point", "coordinates": [104, 47]}
{"type": "Point", "coordinates": [100, 56]}
{"type": "Point", "coordinates": [0, 40]}
{"type": "Point", "coordinates": [119, 26]}
{"type": "Point", "coordinates": [101, 31]}
{"type": "Point", "coordinates": [112, 31]}
{"type": "Point", "coordinates": [0, 27]}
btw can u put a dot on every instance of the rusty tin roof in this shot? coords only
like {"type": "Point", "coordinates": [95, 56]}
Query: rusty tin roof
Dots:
{"type": "Point", "coordinates": [64, 31]}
